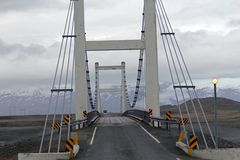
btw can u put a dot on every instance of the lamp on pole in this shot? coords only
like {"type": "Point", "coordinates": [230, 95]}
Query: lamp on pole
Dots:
{"type": "Point", "coordinates": [214, 82]}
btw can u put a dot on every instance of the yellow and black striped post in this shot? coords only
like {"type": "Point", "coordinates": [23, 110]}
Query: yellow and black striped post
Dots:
{"type": "Point", "coordinates": [56, 126]}
{"type": "Point", "coordinates": [193, 142]}
{"type": "Point", "coordinates": [168, 117]}
{"type": "Point", "coordinates": [85, 114]}
{"type": "Point", "coordinates": [69, 146]}
{"type": "Point", "coordinates": [181, 136]}
{"type": "Point", "coordinates": [67, 119]}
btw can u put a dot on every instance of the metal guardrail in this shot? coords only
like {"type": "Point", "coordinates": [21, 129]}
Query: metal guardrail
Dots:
{"type": "Point", "coordinates": [92, 117]}
{"type": "Point", "coordinates": [174, 121]}
{"type": "Point", "coordinates": [144, 116]}
{"type": "Point", "coordinates": [77, 122]}
{"type": "Point", "coordinates": [138, 114]}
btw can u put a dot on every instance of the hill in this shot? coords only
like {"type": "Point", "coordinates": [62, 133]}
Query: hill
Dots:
{"type": "Point", "coordinates": [228, 110]}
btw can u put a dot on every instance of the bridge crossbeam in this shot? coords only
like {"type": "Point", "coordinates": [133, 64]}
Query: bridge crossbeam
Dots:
{"type": "Point", "coordinates": [115, 45]}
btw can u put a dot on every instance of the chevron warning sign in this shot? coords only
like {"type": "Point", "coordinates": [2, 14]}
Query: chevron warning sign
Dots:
{"type": "Point", "coordinates": [67, 119]}
{"type": "Point", "coordinates": [56, 126]}
{"type": "Point", "coordinates": [85, 114]}
{"type": "Point", "coordinates": [182, 121]}
{"type": "Point", "coordinates": [168, 115]}
{"type": "Point", "coordinates": [193, 142]}
{"type": "Point", "coordinates": [150, 111]}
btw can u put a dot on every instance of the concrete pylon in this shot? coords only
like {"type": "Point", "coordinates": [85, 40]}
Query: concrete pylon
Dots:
{"type": "Point", "coordinates": [81, 94]}
{"type": "Point", "coordinates": [151, 58]}
{"type": "Point", "coordinates": [98, 102]}
{"type": "Point", "coordinates": [123, 97]}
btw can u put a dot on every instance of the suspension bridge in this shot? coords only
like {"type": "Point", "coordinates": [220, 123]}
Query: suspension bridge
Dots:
{"type": "Point", "coordinates": [125, 135]}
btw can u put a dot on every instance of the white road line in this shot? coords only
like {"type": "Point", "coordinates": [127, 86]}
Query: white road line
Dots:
{"type": "Point", "coordinates": [93, 136]}
{"type": "Point", "coordinates": [178, 159]}
{"type": "Point", "coordinates": [149, 134]}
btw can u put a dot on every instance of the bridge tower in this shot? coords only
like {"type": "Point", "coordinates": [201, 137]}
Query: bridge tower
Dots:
{"type": "Point", "coordinates": [121, 90]}
{"type": "Point", "coordinates": [148, 43]}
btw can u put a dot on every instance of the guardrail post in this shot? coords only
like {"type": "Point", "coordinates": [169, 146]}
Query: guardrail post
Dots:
{"type": "Point", "coordinates": [167, 127]}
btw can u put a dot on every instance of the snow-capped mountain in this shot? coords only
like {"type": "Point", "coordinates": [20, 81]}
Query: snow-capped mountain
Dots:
{"type": "Point", "coordinates": [36, 100]}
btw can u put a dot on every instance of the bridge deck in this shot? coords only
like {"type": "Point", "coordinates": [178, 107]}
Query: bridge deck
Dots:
{"type": "Point", "coordinates": [114, 121]}
{"type": "Point", "coordinates": [121, 138]}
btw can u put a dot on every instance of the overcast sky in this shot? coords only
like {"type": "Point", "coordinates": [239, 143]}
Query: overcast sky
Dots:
{"type": "Point", "coordinates": [30, 33]}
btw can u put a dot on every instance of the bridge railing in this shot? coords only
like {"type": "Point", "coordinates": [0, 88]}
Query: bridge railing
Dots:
{"type": "Point", "coordinates": [92, 117]}
{"type": "Point", "coordinates": [138, 114]}
{"type": "Point", "coordinates": [144, 116]}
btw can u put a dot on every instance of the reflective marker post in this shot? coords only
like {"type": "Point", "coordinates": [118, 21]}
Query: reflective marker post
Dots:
{"type": "Point", "coordinates": [214, 82]}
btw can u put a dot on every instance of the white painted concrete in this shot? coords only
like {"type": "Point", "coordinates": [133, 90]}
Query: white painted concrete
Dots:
{"type": "Point", "coordinates": [115, 45]}
{"type": "Point", "coordinates": [98, 107]}
{"type": "Point", "coordinates": [81, 94]}
{"type": "Point", "coordinates": [151, 58]}
{"type": "Point", "coordinates": [123, 91]}
{"type": "Point", "coordinates": [43, 156]}
{"type": "Point", "coordinates": [110, 67]}
{"type": "Point", "coordinates": [182, 146]}
{"type": "Point", "coordinates": [109, 90]}
{"type": "Point", "coordinates": [75, 149]}
{"type": "Point", "coordinates": [149, 43]}
{"type": "Point", "coordinates": [213, 154]}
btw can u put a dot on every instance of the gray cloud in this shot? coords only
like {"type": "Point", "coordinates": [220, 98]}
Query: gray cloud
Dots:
{"type": "Point", "coordinates": [207, 52]}
{"type": "Point", "coordinates": [234, 23]}
{"type": "Point", "coordinates": [211, 54]}
{"type": "Point", "coordinates": [23, 5]}
{"type": "Point", "coordinates": [30, 65]}
{"type": "Point", "coordinates": [19, 49]}
{"type": "Point", "coordinates": [99, 5]}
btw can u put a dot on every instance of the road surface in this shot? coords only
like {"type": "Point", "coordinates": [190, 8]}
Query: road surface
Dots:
{"type": "Point", "coordinates": [121, 138]}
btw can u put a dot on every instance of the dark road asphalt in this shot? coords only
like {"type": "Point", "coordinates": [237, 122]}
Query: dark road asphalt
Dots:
{"type": "Point", "coordinates": [123, 139]}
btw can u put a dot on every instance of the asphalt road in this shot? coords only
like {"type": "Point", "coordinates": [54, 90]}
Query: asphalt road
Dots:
{"type": "Point", "coordinates": [120, 138]}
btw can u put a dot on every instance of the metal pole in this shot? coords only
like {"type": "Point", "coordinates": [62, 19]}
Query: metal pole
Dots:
{"type": "Point", "coordinates": [215, 112]}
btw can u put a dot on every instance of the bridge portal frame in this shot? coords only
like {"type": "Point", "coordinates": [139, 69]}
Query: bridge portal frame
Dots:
{"type": "Point", "coordinates": [149, 43]}
{"type": "Point", "coordinates": [122, 89]}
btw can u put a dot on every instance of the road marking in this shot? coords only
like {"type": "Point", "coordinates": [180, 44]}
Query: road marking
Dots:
{"type": "Point", "coordinates": [178, 159]}
{"type": "Point", "coordinates": [93, 135]}
{"type": "Point", "coordinates": [149, 134]}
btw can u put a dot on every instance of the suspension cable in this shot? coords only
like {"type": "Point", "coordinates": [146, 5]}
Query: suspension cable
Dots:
{"type": "Point", "coordinates": [60, 76]}
{"type": "Point", "coordinates": [179, 63]}
{"type": "Point", "coordinates": [54, 80]}
{"type": "Point", "coordinates": [175, 68]}
{"type": "Point", "coordinates": [170, 68]}
{"type": "Point", "coordinates": [140, 64]}
{"type": "Point", "coordinates": [89, 84]}
{"type": "Point", "coordinates": [66, 82]}
{"type": "Point", "coordinates": [185, 66]}
{"type": "Point", "coordinates": [176, 49]}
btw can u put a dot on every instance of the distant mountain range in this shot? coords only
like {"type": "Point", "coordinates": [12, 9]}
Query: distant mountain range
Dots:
{"type": "Point", "coordinates": [35, 101]}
